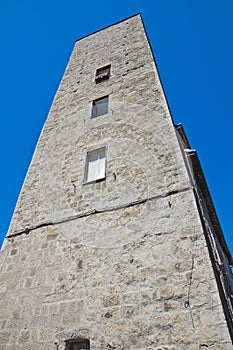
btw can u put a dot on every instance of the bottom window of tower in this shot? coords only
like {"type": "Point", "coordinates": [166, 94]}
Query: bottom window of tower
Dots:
{"type": "Point", "coordinates": [78, 344]}
{"type": "Point", "coordinates": [96, 165]}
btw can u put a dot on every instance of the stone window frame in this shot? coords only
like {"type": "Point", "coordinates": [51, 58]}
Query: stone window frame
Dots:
{"type": "Point", "coordinates": [102, 73]}
{"type": "Point", "coordinates": [97, 112]}
{"type": "Point", "coordinates": [90, 153]}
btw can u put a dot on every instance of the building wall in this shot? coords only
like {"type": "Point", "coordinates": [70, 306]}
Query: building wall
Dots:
{"type": "Point", "coordinates": [122, 262]}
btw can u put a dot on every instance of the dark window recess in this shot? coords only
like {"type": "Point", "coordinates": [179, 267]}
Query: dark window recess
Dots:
{"type": "Point", "coordinates": [78, 344]}
{"type": "Point", "coordinates": [99, 107]}
{"type": "Point", "coordinates": [102, 73]}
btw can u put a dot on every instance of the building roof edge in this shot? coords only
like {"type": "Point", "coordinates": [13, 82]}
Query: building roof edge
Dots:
{"type": "Point", "coordinates": [110, 25]}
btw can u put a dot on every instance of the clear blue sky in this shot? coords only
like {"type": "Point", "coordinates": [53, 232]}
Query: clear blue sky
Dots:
{"type": "Point", "coordinates": [192, 43]}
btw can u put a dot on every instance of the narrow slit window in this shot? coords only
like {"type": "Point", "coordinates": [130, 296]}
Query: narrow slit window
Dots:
{"type": "Point", "coordinates": [99, 107]}
{"type": "Point", "coordinates": [96, 165]}
{"type": "Point", "coordinates": [78, 344]}
{"type": "Point", "coordinates": [102, 73]}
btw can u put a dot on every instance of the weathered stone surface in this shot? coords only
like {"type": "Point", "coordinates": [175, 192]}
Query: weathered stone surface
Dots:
{"type": "Point", "coordinates": [118, 277]}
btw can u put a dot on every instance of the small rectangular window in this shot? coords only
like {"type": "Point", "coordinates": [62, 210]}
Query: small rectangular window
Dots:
{"type": "Point", "coordinates": [99, 107]}
{"type": "Point", "coordinates": [102, 73]}
{"type": "Point", "coordinates": [96, 165]}
{"type": "Point", "coordinates": [78, 344]}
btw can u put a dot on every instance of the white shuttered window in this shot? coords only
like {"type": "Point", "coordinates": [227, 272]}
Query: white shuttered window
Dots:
{"type": "Point", "coordinates": [96, 165]}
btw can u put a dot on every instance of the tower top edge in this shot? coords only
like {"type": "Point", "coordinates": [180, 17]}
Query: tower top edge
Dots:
{"type": "Point", "coordinates": [110, 25]}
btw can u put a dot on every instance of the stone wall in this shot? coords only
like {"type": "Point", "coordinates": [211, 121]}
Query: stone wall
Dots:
{"type": "Point", "coordinates": [122, 262]}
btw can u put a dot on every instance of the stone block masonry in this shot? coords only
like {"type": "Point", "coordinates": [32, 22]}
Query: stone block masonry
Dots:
{"type": "Point", "coordinates": [122, 261]}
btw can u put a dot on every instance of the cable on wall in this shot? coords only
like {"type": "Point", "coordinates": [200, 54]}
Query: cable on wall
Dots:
{"type": "Point", "coordinates": [96, 211]}
{"type": "Point", "coordinates": [187, 301]}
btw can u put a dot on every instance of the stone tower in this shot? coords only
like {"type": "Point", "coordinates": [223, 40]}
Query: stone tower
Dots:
{"type": "Point", "coordinates": [114, 242]}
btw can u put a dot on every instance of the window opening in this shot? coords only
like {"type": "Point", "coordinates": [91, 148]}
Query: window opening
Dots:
{"type": "Point", "coordinates": [102, 73]}
{"type": "Point", "coordinates": [78, 344]}
{"type": "Point", "coordinates": [99, 107]}
{"type": "Point", "coordinates": [96, 165]}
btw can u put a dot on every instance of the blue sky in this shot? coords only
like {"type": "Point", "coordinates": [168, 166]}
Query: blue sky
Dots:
{"type": "Point", "coordinates": [192, 43]}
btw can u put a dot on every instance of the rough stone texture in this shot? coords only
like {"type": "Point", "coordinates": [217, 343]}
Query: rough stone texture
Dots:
{"type": "Point", "coordinates": [121, 278]}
